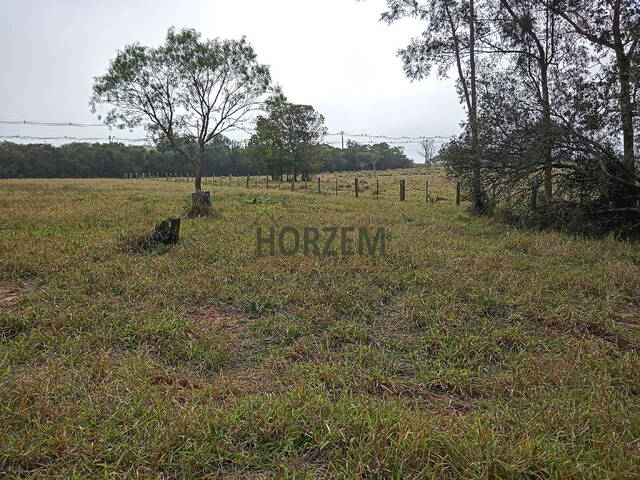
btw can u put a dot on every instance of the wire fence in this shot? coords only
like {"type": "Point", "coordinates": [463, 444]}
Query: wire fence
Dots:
{"type": "Point", "coordinates": [329, 137]}
{"type": "Point", "coordinates": [425, 187]}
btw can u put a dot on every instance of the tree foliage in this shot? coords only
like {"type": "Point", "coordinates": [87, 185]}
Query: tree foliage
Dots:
{"type": "Point", "coordinates": [187, 92]}
{"type": "Point", "coordinates": [449, 40]}
{"type": "Point", "coordinates": [116, 160]}
{"type": "Point", "coordinates": [556, 108]}
{"type": "Point", "coordinates": [287, 140]}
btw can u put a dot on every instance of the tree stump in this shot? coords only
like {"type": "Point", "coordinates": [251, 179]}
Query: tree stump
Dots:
{"type": "Point", "coordinates": [167, 231]}
{"type": "Point", "coordinates": [200, 204]}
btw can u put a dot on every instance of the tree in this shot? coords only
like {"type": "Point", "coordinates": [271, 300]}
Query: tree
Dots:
{"type": "Point", "coordinates": [187, 92]}
{"type": "Point", "coordinates": [532, 34]}
{"type": "Point", "coordinates": [449, 39]}
{"type": "Point", "coordinates": [378, 156]}
{"type": "Point", "coordinates": [288, 139]}
{"type": "Point", "coordinates": [613, 28]}
{"type": "Point", "coordinates": [427, 150]}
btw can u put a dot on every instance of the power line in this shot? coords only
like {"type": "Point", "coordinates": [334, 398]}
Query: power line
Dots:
{"type": "Point", "coordinates": [137, 140]}
{"type": "Point", "coordinates": [52, 124]}
{"type": "Point", "coordinates": [387, 137]}
{"type": "Point", "coordinates": [84, 124]}
{"type": "Point", "coordinates": [93, 139]}
{"type": "Point", "coordinates": [392, 142]}
{"type": "Point", "coordinates": [390, 139]}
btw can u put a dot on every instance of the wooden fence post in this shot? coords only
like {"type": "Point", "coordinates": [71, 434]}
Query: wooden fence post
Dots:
{"type": "Point", "coordinates": [267, 183]}
{"type": "Point", "coordinates": [458, 193]}
{"type": "Point", "coordinates": [356, 186]}
{"type": "Point", "coordinates": [305, 187]}
{"type": "Point", "coordinates": [402, 190]}
{"type": "Point", "coordinates": [318, 184]}
{"type": "Point", "coordinates": [377, 188]}
{"type": "Point", "coordinates": [426, 190]}
{"type": "Point", "coordinates": [336, 185]}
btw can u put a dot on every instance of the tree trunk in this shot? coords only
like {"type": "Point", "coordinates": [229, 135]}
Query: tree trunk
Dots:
{"type": "Point", "coordinates": [546, 130]}
{"type": "Point", "coordinates": [199, 168]}
{"type": "Point", "coordinates": [624, 99]}
{"type": "Point", "coordinates": [200, 204]}
{"type": "Point", "coordinates": [626, 110]}
{"type": "Point", "coordinates": [167, 231]}
{"type": "Point", "coordinates": [478, 204]}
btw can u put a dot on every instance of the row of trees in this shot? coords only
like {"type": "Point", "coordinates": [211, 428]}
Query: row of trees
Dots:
{"type": "Point", "coordinates": [222, 157]}
{"type": "Point", "coordinates": [549, 88]}
{"type": "Point", "coordinates": [86, 160]}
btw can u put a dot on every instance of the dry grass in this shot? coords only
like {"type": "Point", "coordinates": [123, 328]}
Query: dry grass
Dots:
{"type": "Point", "coordinates": [482, 352]}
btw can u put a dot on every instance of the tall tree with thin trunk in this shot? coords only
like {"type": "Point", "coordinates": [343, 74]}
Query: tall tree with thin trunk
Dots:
{"type": "Point", "coordinates": [449, 40]}
{"type": "Point", "coordinates": [531, 32]}
{"type": "Point", "coordinates": [186, 92]}
{"type": "Point", "coordinates": [613, 29]}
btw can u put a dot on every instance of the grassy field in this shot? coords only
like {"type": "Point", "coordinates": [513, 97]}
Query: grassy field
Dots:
{"type": "Point", "coordinates": [482, 351]}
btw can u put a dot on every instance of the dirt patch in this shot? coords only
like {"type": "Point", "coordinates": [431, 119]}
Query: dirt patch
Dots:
{"type": "Point", "coordinates": [177, 381]}
{"type": "Point", "coordinates": [11, 292]}
{"type": "Point", "coordinates": [630, 317]}
{"type": "Point", "coordinates": [582, 329]}
{"type": "Point", "coordinates": [446, 402]}
{"type": "Point", "coordinates": [417, 397]}
{"type": "Point", "coordinates": [618, 340]}
{"type": "Point", "coordinates": [221, 388]}
{"type": "Point", "coordinates": [180, 387]}
{"type": "Point", "coordinates": [230, 319]}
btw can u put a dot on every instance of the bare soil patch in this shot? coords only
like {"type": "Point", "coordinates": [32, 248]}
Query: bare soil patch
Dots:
{"type": "Point", "coordinates": [579, 330]}
{"type": "Point", "coordinates": [229, 318]}
{"type": "Point", "coordinates": [12, 291]}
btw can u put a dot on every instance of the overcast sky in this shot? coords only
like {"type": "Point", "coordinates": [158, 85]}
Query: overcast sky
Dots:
{"type": "Point", "coordinates": [332, 54]}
